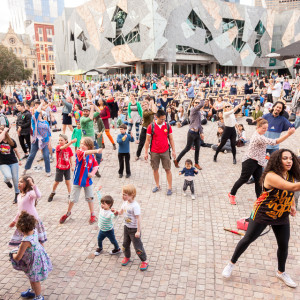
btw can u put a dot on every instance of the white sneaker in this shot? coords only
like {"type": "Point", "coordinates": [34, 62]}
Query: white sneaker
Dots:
{"type": "Point", "coordinates": [193, 197]}
{"type": "Point", "coordinates": [48, 174]}
{"type": "Point", "coordinates": [286, 279]}
{"type": "Point", "coordinates": [225, 151]}
{"type": "Point", "coordinates": [184, 194]}
{"type": "Point", "coordinates": [24, 172]}
{"type": "Point", "coordinates": [228, 270]}
{"type": "Point", "coordinates": [51, 159]}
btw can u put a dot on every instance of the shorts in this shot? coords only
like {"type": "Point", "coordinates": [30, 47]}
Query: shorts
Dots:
{"type": "Point", "coordinates": [60, 174]}
{"type": "Point", "coordinates": [163, 157]}
{"type": "Point", "coordinates": [88, 192]}
{"type": "Point", "coordinates": [67, 120]}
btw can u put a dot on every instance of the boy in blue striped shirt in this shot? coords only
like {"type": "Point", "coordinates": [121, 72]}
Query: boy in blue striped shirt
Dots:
{"type": "Point", "coordinates": [105, 223]}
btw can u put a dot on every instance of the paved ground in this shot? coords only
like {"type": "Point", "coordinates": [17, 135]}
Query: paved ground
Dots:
{"type": "Point", "coordinates": [184, 239]}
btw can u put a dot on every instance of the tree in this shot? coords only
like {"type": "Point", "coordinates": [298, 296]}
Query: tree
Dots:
{"type": "Point", "coordinates": [11, 68]}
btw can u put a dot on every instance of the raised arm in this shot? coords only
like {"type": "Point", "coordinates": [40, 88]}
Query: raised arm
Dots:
{"type": "Point", "coordinates": [273, 180]}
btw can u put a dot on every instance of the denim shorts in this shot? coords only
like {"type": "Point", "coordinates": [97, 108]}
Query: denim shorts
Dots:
{"type": "Point", "coordinates": [60, 174]}
{"type": "Point", "coordinates": [88, 192]}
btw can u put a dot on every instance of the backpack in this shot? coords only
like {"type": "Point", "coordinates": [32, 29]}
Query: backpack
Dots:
{"type": "Point", "coordinates": [152, 133]}
{"type": "Point", "coordinates": [5, 118]}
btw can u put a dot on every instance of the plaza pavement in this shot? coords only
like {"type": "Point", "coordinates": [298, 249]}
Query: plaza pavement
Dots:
{"type": "Point", "coordinates": [184, 239]}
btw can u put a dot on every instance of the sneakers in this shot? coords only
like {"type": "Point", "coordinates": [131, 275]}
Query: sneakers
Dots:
{"type": "Point", "coordinates": [176, 163]}
{"type": "Point", "coordinates": [51, 159]}
{"type": "Point", "coordinates": [114, 147]}
{"type": "Point", "coordinates": [120, 175]}
{"type": "Point", "coordinates": [156, 189]}
{"type": "Point", "coordinates": [251, 180]}
{"type": "Point", "coordinates": [115, 251]}
{"type": "Point", "coordinates": [51, 197]}
{"type": "Point", "coordinates": [136, 158]}
{"type": "Point", "coordinates": [64, 218]}
{"type": "Point", "coordinates": [28, 294]}
{"type": "Point", "coordinates": [125, 261]}
{"type": "Point", "coordinates": [169, 192]}
{"type": "Point", "coordinates": [234, 161]}
{"type": "Point", "coordinates": [39, 298]}
{"type": "Point", "coordinates": [16, 198]}
{"type": "Point", "coordinates": [24, 172]}
{"type": "Point", "coordinates": [40, 159]}
{"type": "Point", "coordinates": [48, 174]}
{"type": "Point", "coordinates": [98, 174]}
{"type": "Point", "coordinates": [143, 266]}
{"type": "Point", "coordinates": [92, 220]}
{"type": "Point", "coordinates": [228, 270]}
{"type": "Point", "coordinates": [184, 194]}
{"type": "Point", "coordinates": [231, 199]}
{"type": "Point", "coordinates": [215, 158]}
{"type": "Point", "coordinates": [286, 279]}
{"type": "Point", "coordinates": [193, 197]}
{"type": "Point", "coordinates": [128, 175]}
{"type": "Point", "coordinates": [225, 151]}
{"type": "Point", "coordinates": [8, 183]}
{"type": "Point", "coordinates": [98, 251]}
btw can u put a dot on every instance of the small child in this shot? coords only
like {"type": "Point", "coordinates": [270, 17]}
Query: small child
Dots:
{"type": "Point", "coordinates": [77, 113]}
{"type": "Point", "coordinates": [189, 173]}
{"type": "Point", "coordinates": [105, 223]}
{"type": "Point", "coordinates": [64, 164]}
{"type": "Point", "coordinates": [241, 133]}
{"type": "Point", "coordinates": [85, 169]}
{"type": "Point", "coordinates": [123, 140]}
{"type": "Point", "coordinates": [121, 118]}
{"type": "Point", "coordinates": [77, 134]}
{"type": "Point", "coordinates": [27, 200]}
{"type": "Point", "coordinates": [132, 227]}
{"type": "Point", "coordinates": [31, 257]}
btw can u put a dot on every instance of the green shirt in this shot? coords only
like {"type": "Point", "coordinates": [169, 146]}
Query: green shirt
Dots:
{"type": "Point", "coordinates": [87, 126]}
{"type": "Point", "coordinates": [256, 115]}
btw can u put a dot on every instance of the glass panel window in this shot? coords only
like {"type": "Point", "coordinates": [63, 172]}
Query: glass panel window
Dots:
{"type": "Point", "coordinates": [42, 47]}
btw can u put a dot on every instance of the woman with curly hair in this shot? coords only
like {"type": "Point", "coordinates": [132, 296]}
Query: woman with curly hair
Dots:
{"type": "Point", "coordinates": [273, 208]}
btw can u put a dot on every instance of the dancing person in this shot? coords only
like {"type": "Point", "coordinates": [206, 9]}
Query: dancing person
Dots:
{"type": "Point", "coordinates": [229, 130]}
{"type": "Point", "coordinates": [273, 208]}
{"type": "Point", "coordinates": [195, 134]}
{"type": "Point", "coordinates": [254, 159]}
{"type": "Point", "coordinates": [67, 114]}
{"type": "Point", "coordinates": [31, 257]}
{"type": "Point", "coordinates": [135, 113]}
{"type": "Point", "coordinates": [226, 148]}
{"type": "Point", "coordinates": [159, 134]}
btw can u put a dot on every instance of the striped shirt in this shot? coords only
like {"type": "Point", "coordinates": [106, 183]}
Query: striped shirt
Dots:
{"type": "Point", "coordinates": [105, 220]}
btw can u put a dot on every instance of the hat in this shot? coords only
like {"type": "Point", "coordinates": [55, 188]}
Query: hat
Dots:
{"type": "Point", "coordinates": [165, 93]}
{"type": "Point", "coordinates": [87, 107]}
{"type": "Point", "coordinates": [64, 136]}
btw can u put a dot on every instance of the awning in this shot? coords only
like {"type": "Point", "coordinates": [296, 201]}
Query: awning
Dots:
{"type": "Point", "coordinates": [93, 72]}
{"type": "Point", "coordinates": [65, 73]}
{"type": "Point", "coordinates": [288, 52]}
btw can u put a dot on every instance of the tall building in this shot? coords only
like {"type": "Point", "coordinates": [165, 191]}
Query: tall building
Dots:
{"type": "Point", "coordinates": [23, 12]}
{"type": "Point", "coordinates": [41, 35]}
{"type": "Point", "coordinates": [278, 5]}
{"type": "Point", "coordinates": [22, 47]}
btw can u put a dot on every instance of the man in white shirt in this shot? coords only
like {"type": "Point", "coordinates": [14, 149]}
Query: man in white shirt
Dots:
{"type": "Point", "coordinates": [276, 90]}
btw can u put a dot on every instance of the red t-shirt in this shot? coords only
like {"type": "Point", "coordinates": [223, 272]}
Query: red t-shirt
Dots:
{"type": "Point", "coordinates": [82, 94]}
{"type": "Point", "coordinates": [160, 143]}
{"type": "Point", "coordinates": [63, 158]}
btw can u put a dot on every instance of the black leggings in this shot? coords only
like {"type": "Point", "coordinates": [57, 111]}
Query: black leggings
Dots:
{"type": "Point", "coordinates": [282, 234]}
{"type": "Point", "coordinates": [22, 143]}
{"type": "Point", "coordinates": [249, 167]}
{"type": "Point", "coordinates": [193, 139]}
{"type": "Point", "coordinates": [229, 133]}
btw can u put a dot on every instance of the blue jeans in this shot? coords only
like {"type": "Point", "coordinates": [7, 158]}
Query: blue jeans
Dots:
{"type": "Point", "coordinates": [33, 151]}
{"type": "Point", "coordinates": [297, 122]}
{"type": "Point", "coordinates": [270, 151]}
{"type": "Point", "coordinates": [11, 172]}
{"type": "Point", "coordinates": [110, 234]}
{"type": "Point", "coordinates": [98, 156]}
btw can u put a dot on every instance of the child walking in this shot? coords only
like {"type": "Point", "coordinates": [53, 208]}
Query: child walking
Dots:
{"type": "Point", "coordinates": [77, 134]}
{"type": "Point", "coordinates": [189, 173]}
{"type": "Point", "coordinates": [64, 164]}
{"type": "Point", "coordinates": [85, 169]}
{"type": "Point", "coordinates": [27, 200]}
{"type": "Point", "coordinates": [31, 257]}
{"type": "Point", "coordinates": [132, 227]}
{"type": "Point", "coordinates": [123, 140]}
{"type": "Point", "coordinates": [105, 223]}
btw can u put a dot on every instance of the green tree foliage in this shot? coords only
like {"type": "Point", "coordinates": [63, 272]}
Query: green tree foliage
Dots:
{"type": "Point", "coordinates": [11, 68]}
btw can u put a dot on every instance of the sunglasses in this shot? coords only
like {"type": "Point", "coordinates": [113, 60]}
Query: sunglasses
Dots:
{"type": "Point", "coordinates": [197, 102]}
{"type": "Point", "coordinates": [227, 106]}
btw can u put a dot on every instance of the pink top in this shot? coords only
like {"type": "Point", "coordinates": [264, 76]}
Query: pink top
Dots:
{"type": "Point", "coordinates": [27, 203]}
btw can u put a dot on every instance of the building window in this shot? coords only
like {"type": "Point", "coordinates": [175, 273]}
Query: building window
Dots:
{"type": "Point", "coordinates": [42, 57]}
{"type": "Point", "coordinates": [119, 17]}
{"type": "Point", "coordinates": [187, 50]}
{"type": "Point", "coordinates": [49, 31]}
{"type": "Point", "coordinates": [44, 67]}
{"type": "Point", "coordinates": [25, 63]}
{"type": "Point", "coordinates": [41, 38]}
{"type": "Point", "coordinates": [42, 48]}
{"type": "Point", "coordinates": [260, 30]}
{"type": "Point", "coordinates": [33, 63]}
{"type": "Point", "coordinates": [238, 42]}
{"type": "Point", "coordinates": [20, 51]}
{"type": "Point", "coordinates": [11, 49]}
{"type": "Point", "coordinates": [40, 30]}
{"type": "Point", "coordinates": [83, 38]}
{"type": "Point", "coordinates": [49, 39]}
{"type": "Point", "coordinates": [50, 48]}
{"type": "Point", "coordinates": [34, 77]}
{"type": "Point", "coordinates": [132, 37]}
{"type": "Point", "coordinates": [16, 51]}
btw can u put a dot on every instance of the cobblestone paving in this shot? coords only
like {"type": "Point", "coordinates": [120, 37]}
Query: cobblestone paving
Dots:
{"type": "Point", "coordinates": [184, 239]}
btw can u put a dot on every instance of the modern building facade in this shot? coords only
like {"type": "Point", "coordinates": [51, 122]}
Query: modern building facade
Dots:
{"type": "Point", "coordinates": [41, 36]}
{"type": "Point", "coordinates": [279, 5]}
{"type": "Point", "coordinates": [22, 47]}
{"type": "Point", "coordinates": [23, 12]}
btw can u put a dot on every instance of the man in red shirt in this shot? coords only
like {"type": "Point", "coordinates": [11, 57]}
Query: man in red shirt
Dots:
{"type": "Point", "coordinates": [160, 149]}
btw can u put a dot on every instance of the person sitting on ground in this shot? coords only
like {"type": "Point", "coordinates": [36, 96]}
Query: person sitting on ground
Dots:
{"type": "Point", "coordinates": [170, 116]}
{"type": "Point", "coordinates": [257, 113]}
{"type": "Point", "coordinates": [241, 134]}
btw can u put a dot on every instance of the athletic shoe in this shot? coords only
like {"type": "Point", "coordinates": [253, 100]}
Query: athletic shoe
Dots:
{"type": "Point", "coordinates": [193, 197]}
{"type": "Point", "coordinates": [98, 174]}
{"type": "Point", "coordinates": [286, 279]}
{"type": "Point", "coordinates": [169, 192]}
{"type": "Point", "coordinates": [120, 175]}
{"type": "Point", "coordinates": [64, 218]}
{"type": "Point", "coordinates": [143, 266]}
{"type": "Point", "coordinates": [114, 147]}
{"type": "Point", "coordinates": [250, 181]}
{"type": "Point", "coordinates": [48, 174]}
{"type": "Point", "coordinates": [40, 159]}
{"type": "Point", "coordinates": [231, 199]}
{"type": "Point", "coordinates": [184, 194]}
{"type": "Point", "coordinates": [24, 172]}
{"type": "Point", "coordinates": [115, 251]}
{"type": "Point", "coordinates": [234, 161]}
{"type": "Point", "coordinates": [103, 146]}
{"type": "Point", "coordinates": [28, 294]}
{"type": "Point", "coordinates": [92, 220]}
{"type": "Point", "coordinates": [156, 189]}
{"type": "Point", "coordinates": [40, 297]}
{"type": "Point", "coordinates": [128, 175]}
{"type": "Point", "coordinates": [16, 198]}
{"type": "Point", "coordinates": [51, 159]}
{"type": "Point", "coordinates": [98, 251]}
{"type": "Point", "coordinates": [176, 163]}
{"type": "Point", "coordinates": [125, 261]}
{"type": "Point", "coordinates": [136, 158]}
{"type": "Point", "coordinates": [25, 156]}
{"type": "Point", "coordinates": [215, 158]}
{"type": "Point", "coordinates": [228, 270]}
{"type": "Point", "coordinates": [198, 167]}
{"type": "Point", "coordinates": [51, 197]}
{"type": "Point", "coordinates": [225, 151]}
{"type": "Point", "coordinates": [8, 183]}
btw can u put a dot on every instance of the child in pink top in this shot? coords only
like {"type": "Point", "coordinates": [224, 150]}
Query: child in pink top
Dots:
{"type": "Point", "coordinates": [27, 200]}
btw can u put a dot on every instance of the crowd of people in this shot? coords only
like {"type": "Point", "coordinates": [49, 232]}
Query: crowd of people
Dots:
{"type": "Point", "coordinates": [151, 106]}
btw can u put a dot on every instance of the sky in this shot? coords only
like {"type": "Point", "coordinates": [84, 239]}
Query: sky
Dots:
{"type": "Point", "coordinates": [5, 16]}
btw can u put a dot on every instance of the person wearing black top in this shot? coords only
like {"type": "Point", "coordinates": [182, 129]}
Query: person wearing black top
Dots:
{"type": "Point", "coordinates": [24, 128]}
{"type": "Point", "coordinates": [9, 165]}
{"type": "Point", "coordinates": [249, 87]}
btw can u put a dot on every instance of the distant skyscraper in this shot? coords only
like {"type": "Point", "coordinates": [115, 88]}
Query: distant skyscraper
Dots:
{"type": "Point", "coordinates": [23, 12]}
{"type": "Point", "coordinates": [278, 5]}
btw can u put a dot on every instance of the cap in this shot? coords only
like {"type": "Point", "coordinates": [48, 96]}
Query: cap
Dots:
{"type": "Point", "coordinates": [87, 107]}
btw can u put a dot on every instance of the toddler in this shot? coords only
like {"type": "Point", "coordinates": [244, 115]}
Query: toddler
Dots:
{"type": "Point", "coordinates": [31, 257]}
{"type": "Point", "coordinates": [132, 227]}
{"type": "Point", "coordinates": [189, 172]}
{"type": "Point", "coordinates": [77, 134]}
{"type": "Point", "coordinates": [105, 223]}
